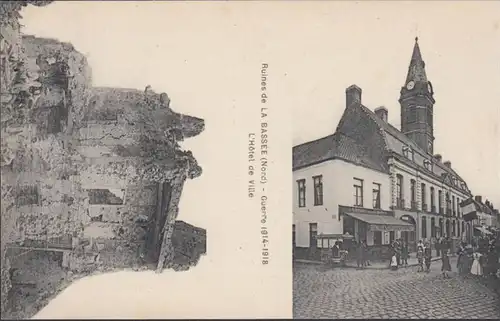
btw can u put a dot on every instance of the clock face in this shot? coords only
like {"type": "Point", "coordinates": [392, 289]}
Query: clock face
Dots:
{"type": "Point", "coordinates": [410, 85]}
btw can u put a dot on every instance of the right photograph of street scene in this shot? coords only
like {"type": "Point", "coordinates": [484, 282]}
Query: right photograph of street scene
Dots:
{"type": "Point", "coordinates": [396, 165]}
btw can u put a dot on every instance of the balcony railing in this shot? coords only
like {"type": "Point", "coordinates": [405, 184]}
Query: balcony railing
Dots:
{"type": "Point", "coordinates": [413, 205]}
{"type": "Point", "coordinates": [441, 210]}
{"type": "Point", "coordinates": [424, 207]}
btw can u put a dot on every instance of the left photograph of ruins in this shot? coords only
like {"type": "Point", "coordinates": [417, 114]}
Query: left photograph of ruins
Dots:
{"type": "Point", "coordinates": [91, 177]}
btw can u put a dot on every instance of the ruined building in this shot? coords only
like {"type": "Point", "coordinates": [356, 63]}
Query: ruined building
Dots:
{"type": "Point", "coordinates": [91, 177]}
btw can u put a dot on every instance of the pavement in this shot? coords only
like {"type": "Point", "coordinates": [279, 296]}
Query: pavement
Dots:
{"type": "Point", "coordinates": [342, 293]}
{"type": "Point", "coordinates": [377, 265]}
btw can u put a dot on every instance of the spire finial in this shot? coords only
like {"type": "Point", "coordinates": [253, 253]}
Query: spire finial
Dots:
{"type": "Point", "coordinates": [416, 39]}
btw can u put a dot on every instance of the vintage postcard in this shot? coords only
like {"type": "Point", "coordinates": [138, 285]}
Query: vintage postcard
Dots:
{"type": "Point", "coordinates": [250, 159]}
{"type": "Point", "coordinates": [145, 151]}
{"type": "Point", "coordinates": [396, 162]}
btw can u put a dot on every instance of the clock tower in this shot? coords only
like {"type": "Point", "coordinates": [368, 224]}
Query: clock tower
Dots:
{"type": "Point", "coordinates": [417, 104]}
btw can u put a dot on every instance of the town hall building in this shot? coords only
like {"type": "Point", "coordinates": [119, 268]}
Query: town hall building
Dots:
{"type": "Point", "coordinates": [375, 182]}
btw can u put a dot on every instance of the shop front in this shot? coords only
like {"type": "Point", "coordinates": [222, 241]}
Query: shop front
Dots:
{"type": "Point", "coordinates": [378, 228]}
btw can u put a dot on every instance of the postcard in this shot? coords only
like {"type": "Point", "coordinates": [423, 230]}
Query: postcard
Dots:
{"type": "Point", "coordinates": [250, 159]}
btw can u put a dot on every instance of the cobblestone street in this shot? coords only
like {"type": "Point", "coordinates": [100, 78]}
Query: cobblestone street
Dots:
{"type": "Point", "coordinates": [320, 292]}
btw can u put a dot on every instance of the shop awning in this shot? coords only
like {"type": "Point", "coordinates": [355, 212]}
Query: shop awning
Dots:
{"type": "Point", "coordinates": [382, 223]}
{"type": "Point", "coordinates": [470, 216]}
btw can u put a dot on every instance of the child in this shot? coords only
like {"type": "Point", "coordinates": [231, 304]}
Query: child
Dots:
{"type": "Point", "coordinates": [420, 257]}
{"type": "Point", "coordinates": [427, 257]}
{"type": "Point", "coordinates": [476, 269]}
{"type": "Point", "coordinates": [394, 263]}
{"type": "Point", "coordinates": [446, 267]}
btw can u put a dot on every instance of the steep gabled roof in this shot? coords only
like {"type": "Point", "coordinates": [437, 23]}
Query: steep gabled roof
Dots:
{"type": "Point", "coordinates": [352, 142]}
{"type": "Point", "coordinates": [365, 139]}
{"type": "Point", "coordinates": [335, 146]}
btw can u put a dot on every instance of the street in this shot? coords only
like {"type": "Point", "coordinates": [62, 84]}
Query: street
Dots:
{"type": "Point", "coordinates": [320, 292]}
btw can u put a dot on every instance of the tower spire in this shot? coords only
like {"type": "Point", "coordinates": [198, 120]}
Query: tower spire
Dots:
{"type": "Point", "coordinates": [416, 71]}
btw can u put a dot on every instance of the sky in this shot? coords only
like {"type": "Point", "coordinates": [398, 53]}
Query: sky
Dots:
{"type": "Point", "coordinates": [460, 44]}
{"type": "Point", "coordinates": [208, 56]}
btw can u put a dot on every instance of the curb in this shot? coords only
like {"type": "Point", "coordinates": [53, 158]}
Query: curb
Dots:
{"type": "Point", "coordinates": [350, 266]}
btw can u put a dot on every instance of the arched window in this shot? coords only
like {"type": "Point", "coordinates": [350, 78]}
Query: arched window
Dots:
{"type": "Point", "coordinates": [433, 227]}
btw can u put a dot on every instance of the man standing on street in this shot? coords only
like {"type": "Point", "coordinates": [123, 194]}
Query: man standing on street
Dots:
{"type": "Point", "coordinates": [427, 257]}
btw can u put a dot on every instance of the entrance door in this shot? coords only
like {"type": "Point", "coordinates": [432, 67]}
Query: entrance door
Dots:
{"type": "Point", "coordinates": [313, 232]}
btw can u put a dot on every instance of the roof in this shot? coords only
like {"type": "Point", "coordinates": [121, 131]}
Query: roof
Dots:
{"type": "Point", "coordinates": [416, 70]}
{"type": "Point", "coordinates": [335, 146]}
{"type": "Point", "coordinates": [385, 220]}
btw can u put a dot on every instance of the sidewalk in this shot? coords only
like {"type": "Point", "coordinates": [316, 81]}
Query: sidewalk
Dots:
{"type": "Point", "coordinates": [374, 265]}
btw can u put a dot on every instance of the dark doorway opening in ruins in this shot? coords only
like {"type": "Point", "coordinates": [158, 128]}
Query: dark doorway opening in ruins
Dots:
{"type": "Point", "coordinates": [155, 233]}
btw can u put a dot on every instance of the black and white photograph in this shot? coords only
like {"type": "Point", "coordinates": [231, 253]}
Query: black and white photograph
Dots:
{"type": "Point", "coordinates": [136, 163]}
{"type": "Point", "coordinates": [396, 163]}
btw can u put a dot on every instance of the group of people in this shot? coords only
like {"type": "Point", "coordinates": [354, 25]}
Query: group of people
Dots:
{"type": "Point", "coordinates": [362, 259]}
{"type": "Point", "coordinates": [399, 254]}
{"type": "Point", "coordinates": [424, 256]}
{"type": "Point", "coordinates": [480, 257]}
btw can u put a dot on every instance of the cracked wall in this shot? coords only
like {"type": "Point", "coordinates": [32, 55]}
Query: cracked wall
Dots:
{"type": "Point", "coordinates": [81, 166]}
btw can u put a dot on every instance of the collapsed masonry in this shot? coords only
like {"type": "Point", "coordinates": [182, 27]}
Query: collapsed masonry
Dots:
{"type": "Point", "coordinates": [92, 174]}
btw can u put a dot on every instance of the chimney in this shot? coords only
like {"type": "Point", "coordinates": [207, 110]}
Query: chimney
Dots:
{"type": "Point", "coordinates": [438, 157]}
{"type": "Point", "coordinates": [478, 198]}
{"type": "Point", "coordinates": [352, 95]}
{"type": "Point", "coordinates": [382, 113]}
{"type": "Point", "coordinates": [447, 164]}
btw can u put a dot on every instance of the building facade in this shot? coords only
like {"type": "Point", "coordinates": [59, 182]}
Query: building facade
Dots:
{"type": "Point", "coordinates": [480, 215]}
{"type": "Point", "coordinates": [416, 186]}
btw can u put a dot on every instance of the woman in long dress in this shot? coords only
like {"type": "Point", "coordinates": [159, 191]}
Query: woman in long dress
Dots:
{"type": "Point", "coordinates": [445, 267]}
{"type": "Point", "coordinates": [477, 269]}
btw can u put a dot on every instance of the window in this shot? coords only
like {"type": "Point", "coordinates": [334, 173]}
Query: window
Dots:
{"type": "Point", "coordinates": [106, 196]}
{"type": "Point", "coordinates": [408, 153]}
{"type": "Point", "coordinates": [433, 227]}
{"type": "Point", "coordinates": [399, 190]}
{"type": "Point", "coordinates": [429, 117]}
{"type": "Point", "coordinates": [424, 227]}
{"type": "Point", "coordinates": [293, 235]}
{"type": "Point", "coordinates": [424, 196]}
{"type": "Point", "coordinates": [453, 205]}
{"type": "Point", "coordinates": [377, 238]}
{"type": "Point", "coordinates": [26, 195]}
{"type": "Point", "coordinates": [302, 192]}
{"type": "Point", "coordinates": [391, 237]}
{"type": "Point", "coordinates": [358, 192]}
{"type": "Point", "coordinates": [453, 228]}
{"type": "Point", "coordinates": [318, 190]}
{"type": "Point", "coordinates": [428, 164]}
{"type": "Point", "coordinates": [376, 195]}
{"type": "Point", "coordinates": [433, 198]}
{"type": "Point", "coordinates": [458, 229]}
{"type": "Point", "coordinates": [313, 232]}
{"type": "Point", "coordinates": [413, 191]}
{"type": "Point", "coordinates": [458, 207]}
{"type": "Point", "coordinates": [448, 203]}
{"type": "Point", "coordinates": [412, 114]}
{"type": "Point", "coordinates": [440, 200]}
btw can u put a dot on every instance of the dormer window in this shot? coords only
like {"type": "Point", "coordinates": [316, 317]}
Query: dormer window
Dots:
{"type": "Point", "coordinates": [428, 164]}
{"type": "Point", "coordinates": [408, 153]}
